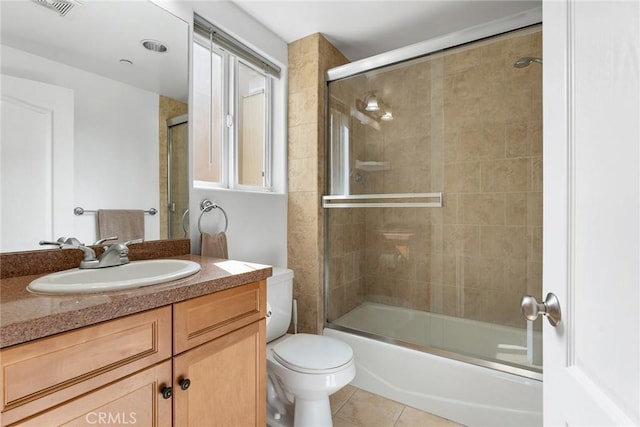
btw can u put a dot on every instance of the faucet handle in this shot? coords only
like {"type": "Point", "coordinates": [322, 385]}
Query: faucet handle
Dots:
{"type": "Point", "coordinates": [118, 250]}
{"type": "Point", "coordinates": [72, 241]}
{"type": "Point", "coordinates": [64, 242]}
{"type": "Point", "coordinates": [118, 247]}
{"type": "Point", "coordinates": [61, 241]}
{"type": "Point", "coordinates": [57, 243]}
{"type": "Point", "coordinates": [128, 242]}
{"type": "Point", "coordinates": [105, 239]}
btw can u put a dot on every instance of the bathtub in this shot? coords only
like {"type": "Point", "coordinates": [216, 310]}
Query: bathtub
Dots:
{"type": "Point", "coordinates": [464, 392]}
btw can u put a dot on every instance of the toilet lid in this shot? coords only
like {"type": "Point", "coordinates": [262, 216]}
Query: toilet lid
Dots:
{"type": "Point", "coordinates": [312, 353]}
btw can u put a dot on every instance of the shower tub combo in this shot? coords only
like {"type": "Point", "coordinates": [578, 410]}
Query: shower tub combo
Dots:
{"type": "Point", "coordinates": [433, 222]}
{"type": "Point", "coordinates": [434, 380]}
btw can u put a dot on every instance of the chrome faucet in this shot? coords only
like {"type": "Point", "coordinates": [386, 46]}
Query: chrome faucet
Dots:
{"type": "Point", "coordinates": [116, 254]}
{"type": "Point", "coordinates": [113, 255]}
{"type": "Point", "coordinates": [73, 243]}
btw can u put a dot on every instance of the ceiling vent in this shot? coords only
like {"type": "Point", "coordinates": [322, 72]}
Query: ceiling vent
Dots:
{"type": "Point", "coordinates": [63, 7]}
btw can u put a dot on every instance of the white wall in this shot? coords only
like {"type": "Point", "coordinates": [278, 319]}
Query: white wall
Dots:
{"type": "Point", "coordinates": [257, 224]}
{"type": "Point", "coordinates": [116, 150]}
{"type": "Point", "coordinates": [257, 221]}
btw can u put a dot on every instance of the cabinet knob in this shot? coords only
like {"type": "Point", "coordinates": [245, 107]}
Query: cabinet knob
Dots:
{"type": "Point", "coordinates": [184, 383]}
{"type": "Point", "coordinates": [166, 392]}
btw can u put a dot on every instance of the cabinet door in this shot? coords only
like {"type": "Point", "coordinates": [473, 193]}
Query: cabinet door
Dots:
{"type": "Point", "coordinates": [228, 381]}
{"type": "Point", "coordinates": [134, 400]}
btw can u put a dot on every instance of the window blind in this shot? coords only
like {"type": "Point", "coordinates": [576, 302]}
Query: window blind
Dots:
{"type": "Point", "coordinates": [225, 41]}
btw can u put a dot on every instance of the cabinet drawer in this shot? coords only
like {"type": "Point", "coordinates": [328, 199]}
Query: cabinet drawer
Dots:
{"type": "Point", "coordinates": [199, 320]}
{"type": "Point", "coordinates": [49, 371]}
{"type": "Point", "coordinates": [133, 400]}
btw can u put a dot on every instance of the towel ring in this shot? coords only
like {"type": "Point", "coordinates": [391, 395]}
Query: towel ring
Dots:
{"type": "Point", "coordinates": [207, 206]}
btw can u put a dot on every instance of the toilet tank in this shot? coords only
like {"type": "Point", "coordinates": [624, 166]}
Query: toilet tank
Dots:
{"type": "Point", "coordinates": [279, 302]}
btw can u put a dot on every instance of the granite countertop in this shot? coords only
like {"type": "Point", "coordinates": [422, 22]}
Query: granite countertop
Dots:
{"type": "Point", "coordinates": [25, 316]}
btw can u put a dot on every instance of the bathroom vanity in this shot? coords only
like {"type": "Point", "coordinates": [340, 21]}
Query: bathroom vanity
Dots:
{"type": "Point", "coordinates": [188, 352]}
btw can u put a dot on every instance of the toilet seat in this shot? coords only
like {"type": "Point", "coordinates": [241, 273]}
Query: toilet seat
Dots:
{"type": "Point", "coordinates": [312, 354]}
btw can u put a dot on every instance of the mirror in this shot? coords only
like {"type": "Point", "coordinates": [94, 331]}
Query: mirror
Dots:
{"type": "Point", "coordinates": [91, 92]}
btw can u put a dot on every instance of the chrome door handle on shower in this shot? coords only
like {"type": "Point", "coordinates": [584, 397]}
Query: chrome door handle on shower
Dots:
{"type": "Point", "coordinates": [531, 308]}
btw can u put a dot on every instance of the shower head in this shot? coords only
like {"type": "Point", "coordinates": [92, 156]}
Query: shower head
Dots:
{"type": "Point", "coordinates": [526, 61]}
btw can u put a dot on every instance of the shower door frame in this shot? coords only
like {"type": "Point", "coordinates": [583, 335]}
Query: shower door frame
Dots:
{"type": "Point", "coordinates": [494, 28]}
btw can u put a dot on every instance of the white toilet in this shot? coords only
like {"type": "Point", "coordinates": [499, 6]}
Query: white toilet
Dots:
{"type": "Point", "coordinates": [303, 369]}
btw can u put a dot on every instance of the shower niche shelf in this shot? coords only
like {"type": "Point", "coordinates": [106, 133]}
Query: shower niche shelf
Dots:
{"type": "Point", "coordinates": [372, 166]}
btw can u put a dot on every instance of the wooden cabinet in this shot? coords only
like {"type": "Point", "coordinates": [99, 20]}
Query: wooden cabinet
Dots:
{"type": "Point", "coordinates": [133, 400]}
{"type": "Point", "coordinates": [224, 339]}
{"type": "Point", "coordinates": [115, 372]}
{"type": "Point", "coordinates": [49, 371]}
{"type": "Point", "coordinates": [227, 378]}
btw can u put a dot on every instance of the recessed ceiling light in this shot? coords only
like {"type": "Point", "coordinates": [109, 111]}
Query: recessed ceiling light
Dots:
{"type": "Point", "coordinates": [154, 45]}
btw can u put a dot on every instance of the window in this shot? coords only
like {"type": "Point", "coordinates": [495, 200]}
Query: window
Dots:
{"type": "Point", "coordinates": [339, 149]}
{"type": "Point", "coordinates": [232, 112]}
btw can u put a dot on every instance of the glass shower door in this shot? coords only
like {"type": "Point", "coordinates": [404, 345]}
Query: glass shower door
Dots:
{"type": "Point", "coordinates": [178, 177]}
{"type": "Point", "coordinates": [433, 207]}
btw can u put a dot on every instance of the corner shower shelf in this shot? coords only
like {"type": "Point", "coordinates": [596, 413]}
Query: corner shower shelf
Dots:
{"type": "Point", "coordinates": [372, 166]}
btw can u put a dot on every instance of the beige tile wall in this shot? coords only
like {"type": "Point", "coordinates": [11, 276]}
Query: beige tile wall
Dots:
{"type": "Point", "coordinates": [309, 58]}
{"type": "Point", "coordinates": [486, 242]}
{"type": "Point", "coordinates": [469, 124]}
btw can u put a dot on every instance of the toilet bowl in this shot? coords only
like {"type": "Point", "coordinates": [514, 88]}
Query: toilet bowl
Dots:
{"type": "Point", "coordinates": [303, 369]}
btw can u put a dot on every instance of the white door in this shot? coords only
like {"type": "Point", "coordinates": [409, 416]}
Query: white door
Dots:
{"type": "Point", "coordinates": [36, 156]}
{"type": "Point", "coordinates": [592, 211]}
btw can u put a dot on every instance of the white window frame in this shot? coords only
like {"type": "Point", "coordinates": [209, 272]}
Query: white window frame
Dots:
{"type": "Point", "coordinates": [268, 136]}
{"type": "Point", "coordinates": [224, 166]}
{"type": "Point", "coordinates": [229, 177]}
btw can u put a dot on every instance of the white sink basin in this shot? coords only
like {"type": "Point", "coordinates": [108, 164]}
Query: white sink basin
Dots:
{"type": "Point", "coordinates": [132, 275]}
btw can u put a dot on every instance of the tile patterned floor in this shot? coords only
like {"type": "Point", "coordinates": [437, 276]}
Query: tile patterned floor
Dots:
{"type": "Point", "coordinates": [353, 407]}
